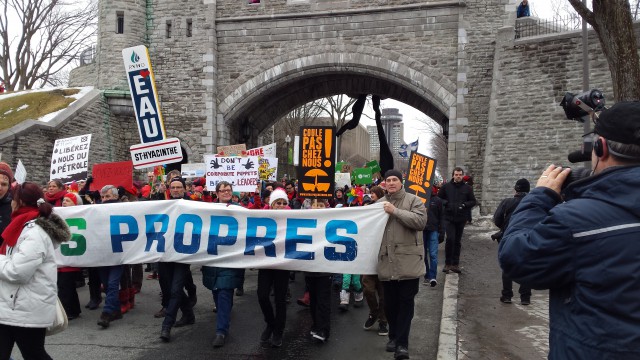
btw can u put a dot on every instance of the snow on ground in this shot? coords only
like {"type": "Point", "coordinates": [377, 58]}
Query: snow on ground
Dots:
{"type": "Point", "coordinates": [22, 107]}
{"type": "Point", "coordinates": [46, 118]}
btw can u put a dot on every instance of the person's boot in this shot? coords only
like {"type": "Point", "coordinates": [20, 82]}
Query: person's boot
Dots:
{"type": "Point", "coordinates": [304, 300]}
{"type": "Point", "coordinates": [132, 297]}
{"type": "Point", "coordinates": [123, 296]}
{"type": "Point", "coordinates": [93, 304]}
{"type": "Point", "coordinates": [104, 320]}
{"type": "Point", "coordinates": [165, 334]}
{"type": "Point", "coordinates": [185, 320]}
{"type": "Point", "coordinates": [344, 300]}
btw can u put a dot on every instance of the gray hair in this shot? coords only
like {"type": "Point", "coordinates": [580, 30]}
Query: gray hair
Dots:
{"type": "Point", "coordinates": [109, 189]}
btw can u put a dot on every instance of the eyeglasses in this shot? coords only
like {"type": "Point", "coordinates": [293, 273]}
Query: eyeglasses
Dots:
{"type": "Point", "coordinates": [225, 191]}
{"type": "Point", "coordinates": [177, 188]}
{"type": "Point", "coordinates": [280, 202]}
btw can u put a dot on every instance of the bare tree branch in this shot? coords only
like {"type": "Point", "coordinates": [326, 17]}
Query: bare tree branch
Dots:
{"type": "Point", "coordinates": [52, 34]}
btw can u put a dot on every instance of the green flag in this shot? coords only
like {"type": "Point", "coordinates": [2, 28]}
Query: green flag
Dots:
{"type": "Point", "coordinates": [374, 166]}
{"type": "Point", "coordinates": [290, 156]}
{"type": "Point", "coordinates": [339, 166]}
{"type": "Point", "coordinates": [362, 176]}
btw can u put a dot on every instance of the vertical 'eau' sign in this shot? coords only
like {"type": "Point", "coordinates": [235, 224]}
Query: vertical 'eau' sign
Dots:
{"type": "Point", "coordinates": [142, 85]}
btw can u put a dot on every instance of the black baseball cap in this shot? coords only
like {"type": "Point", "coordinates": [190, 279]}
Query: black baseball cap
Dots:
{"type": "Point", "coordinates": [620, 123]}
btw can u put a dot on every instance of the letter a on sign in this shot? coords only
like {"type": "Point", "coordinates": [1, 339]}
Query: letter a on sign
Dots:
{"type": "Point", "coordinates": [143, 94]}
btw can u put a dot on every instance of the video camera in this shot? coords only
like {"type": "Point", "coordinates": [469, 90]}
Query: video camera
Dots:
{"type": "Point", "coordinates": [581, 108]}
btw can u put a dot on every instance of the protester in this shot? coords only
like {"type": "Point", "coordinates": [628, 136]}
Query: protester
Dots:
{"type": "Point", "coordinates": [400, 264]}
{"type": "Point", "coordinates": [110, 275]}
{"type": "Point", "coordinates": [6, 178]}
{"type": "Point", "coordinates": [221, 281]}
{"type": "Point", "coordinates": [55, 192]}
{"type": "Point", "coordinates": [582, 244]}
{"type": "Point", "coordinates": [28, 269]}
{"type": "Point", "coordinates": [279, 281]}
{"type": "Point", "coordinates": [174, 277]}
{"type": "Point", "coordinates": [67, 275]}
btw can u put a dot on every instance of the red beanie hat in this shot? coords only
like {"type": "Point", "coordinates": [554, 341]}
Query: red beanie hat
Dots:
{"type": "Point", "coordinates": [5, 169]}
{"type": "Point", "coordinates": [73, 197]}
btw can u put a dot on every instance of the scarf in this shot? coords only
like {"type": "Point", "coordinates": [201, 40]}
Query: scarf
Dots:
{"type": "Point", "coordinates": [55, 199]}
{"type": "Point", "coordinates": [11, 234]}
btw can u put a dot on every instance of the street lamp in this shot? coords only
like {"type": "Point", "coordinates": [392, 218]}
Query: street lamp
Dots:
{"type": "Point", "coordinates": [287, 139]}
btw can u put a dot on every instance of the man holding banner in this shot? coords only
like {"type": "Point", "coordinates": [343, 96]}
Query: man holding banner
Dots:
{"type": "Point", "coordinates": [400, 263]}
{"type": "Point", "coordinates": [173, 278]}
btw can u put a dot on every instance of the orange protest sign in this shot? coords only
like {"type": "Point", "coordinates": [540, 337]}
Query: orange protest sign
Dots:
{"type": "Point", "coordinates": [420, 174]}
{"type": "Point", "coordinates": [317, 164]}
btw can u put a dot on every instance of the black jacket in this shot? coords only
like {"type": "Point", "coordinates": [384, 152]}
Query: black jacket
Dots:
{"type": "Point", "coordinates": [505, 209]}
{"type": "Point", "coordinates": [435, 215]}
{"type": "Point", "coordinates": [457, 198]}
{"type": "Point", "coordinates": [5, 213]}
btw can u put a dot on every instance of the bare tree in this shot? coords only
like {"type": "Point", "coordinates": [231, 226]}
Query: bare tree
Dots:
{"type": "Point", "coordinates": [51, 35]}
{"type": "Point", "coordinates": [612, 21]}
{"type": "Point", "coordinates": [338, 108]}
{"type": "Point", "coordinates": [439, 149]}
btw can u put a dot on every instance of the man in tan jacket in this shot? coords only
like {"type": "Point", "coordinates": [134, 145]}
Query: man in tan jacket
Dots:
{"type": "Point", "coordinates": [401, 260]}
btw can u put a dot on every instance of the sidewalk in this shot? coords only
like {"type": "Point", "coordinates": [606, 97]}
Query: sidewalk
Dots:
{"type": "Point", "coordinates": [485, 328]}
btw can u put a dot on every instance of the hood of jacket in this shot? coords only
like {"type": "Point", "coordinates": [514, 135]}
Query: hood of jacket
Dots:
{"type": "Point", "coordinates": [616, 185]}
{"type": "Point", "coordinates": [55, 227]}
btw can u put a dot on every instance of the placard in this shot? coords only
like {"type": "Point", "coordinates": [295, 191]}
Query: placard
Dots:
{"type": "Point", "coordinates": [232, 150]}
{"type": "Point", "coordinates": [70, 158]}
{"type": "Point", "coordinates": [21, 173]}
{"type": "Point", "coordinates": [193, 170]}
{"type": "Point", "coordinates": [144, 95]}
{"type": "Point", "coordinates": [420, 175]}
{"type": "Point", "coordinates": [343, 179]}
{"type": "Point", "coordinates": [156, 153]}
{"type": "Point", "coordinates": [241, 172]}
{"type": "Point", "coordinates": [268, 168]}
{"type": "Point", "coordinates": [268, 151]}
{"type": "Point", "coordinates": [316, 172]}
{"type": "Point", "coordinates": [362, 176]}
{"type": "Point", "coordinates": [114, 173]}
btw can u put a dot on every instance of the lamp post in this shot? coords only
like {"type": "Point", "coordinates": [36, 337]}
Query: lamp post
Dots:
{"type": "Point", "coordinates": [287, 139]}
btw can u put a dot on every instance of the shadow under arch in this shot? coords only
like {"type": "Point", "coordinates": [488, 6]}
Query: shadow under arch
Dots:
{"type": "Point", "coordinates": [261, 99]}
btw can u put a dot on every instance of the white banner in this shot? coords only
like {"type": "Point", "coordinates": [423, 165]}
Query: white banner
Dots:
{"type": "Point", "coordinates": [70, 158]}
{"type": "Point", "coordinates": [241, 172]}
{"type": "Point", "coordinates": [264, 151]}
{"type": "Point", "coordinates": [345, 240]}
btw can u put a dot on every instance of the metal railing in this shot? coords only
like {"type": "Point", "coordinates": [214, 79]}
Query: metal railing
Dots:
{"type": "Point", "coordinates": [532, 26]}
{"type": "Point", "coordinates": [88, 55]}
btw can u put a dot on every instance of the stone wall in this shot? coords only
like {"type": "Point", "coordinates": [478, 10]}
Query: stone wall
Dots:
{"type": "Point", "coordinates": [83, 76]}
{"type": "Point", "coordinates": [35, 146]}
{"type": "Point", "coordinates": [231, 8]}
{"type": "Point", "coordinates": [530, 130]}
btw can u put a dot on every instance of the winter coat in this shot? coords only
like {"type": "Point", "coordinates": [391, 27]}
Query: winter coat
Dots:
{"type": "Point", "coordinates": [401, 255]}
{"type": "Point", "coordinates": [505, 210]}
{"type": "Point", "coordinates": [457, 199]}
{"type": "Point", "coordinates": [216, 278]}
{"type": "Point", "coordinates": [585, 251]}
{"type": "Point", "coordinates": [435, 215]}
{"type": "Point", "coordinates": [28, 274]}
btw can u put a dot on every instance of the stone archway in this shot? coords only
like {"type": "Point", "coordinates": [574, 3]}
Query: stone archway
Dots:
{"type": "Point", "coordinates": [260, 96]}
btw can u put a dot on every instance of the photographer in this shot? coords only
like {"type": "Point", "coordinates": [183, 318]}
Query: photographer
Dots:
{"type": "Point", "coordinates": [586, 249]}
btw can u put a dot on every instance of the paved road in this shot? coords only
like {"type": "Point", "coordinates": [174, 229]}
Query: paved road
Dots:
{"type": "Point", "coordinates": [487, 328]}
{"type": "Point", "coordinates": [136, 336]}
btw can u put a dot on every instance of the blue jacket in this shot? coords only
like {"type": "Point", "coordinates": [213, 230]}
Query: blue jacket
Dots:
{"type": "Point", "coordinates": [586, 251]}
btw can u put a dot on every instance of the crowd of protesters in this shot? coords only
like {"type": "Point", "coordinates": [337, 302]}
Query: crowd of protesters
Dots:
{"type": "Point", "coordinates": [384, 296]}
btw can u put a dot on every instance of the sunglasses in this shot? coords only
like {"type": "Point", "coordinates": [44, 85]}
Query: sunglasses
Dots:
{"type": "Point", "coordinates": [280, 202]}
